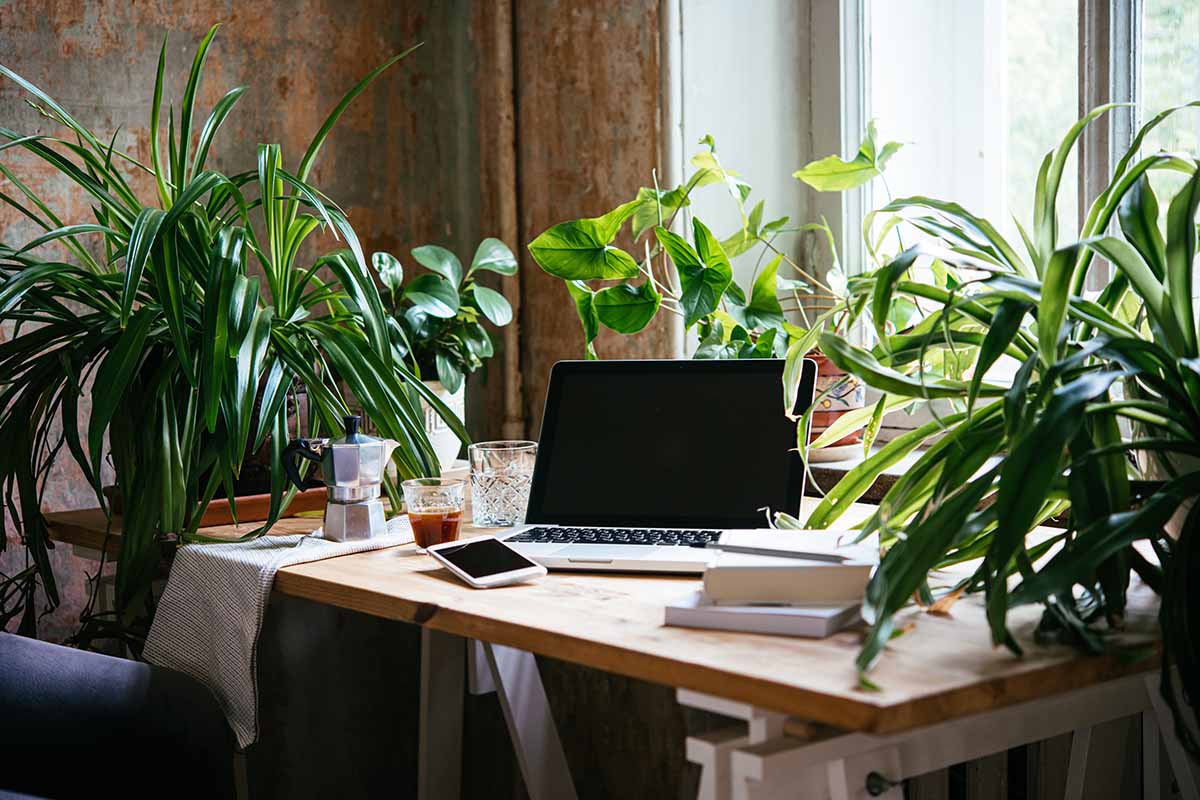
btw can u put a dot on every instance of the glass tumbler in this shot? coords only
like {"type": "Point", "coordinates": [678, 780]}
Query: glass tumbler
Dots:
{"type": "Point", "coordinates": [435, 509]}
{"type": "Point", "coordinates": [500, 476]}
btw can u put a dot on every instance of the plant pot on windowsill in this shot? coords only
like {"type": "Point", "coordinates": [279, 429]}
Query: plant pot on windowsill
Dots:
{"type": "Point", "coordinates": [845, 393]}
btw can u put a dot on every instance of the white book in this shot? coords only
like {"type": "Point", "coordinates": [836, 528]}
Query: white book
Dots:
{"type": "Point", "coordinates": [814, 621]}
{"type": "Point", "coordinates": [737, 578]}
{"type": "Point", "coordinates": [814, 545]}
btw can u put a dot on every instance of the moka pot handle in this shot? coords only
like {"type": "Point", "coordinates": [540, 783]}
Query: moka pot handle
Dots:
{"type": "Point", "coordinates": [300, 448]}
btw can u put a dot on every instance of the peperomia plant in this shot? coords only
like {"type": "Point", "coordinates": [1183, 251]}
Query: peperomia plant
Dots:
{"type": "Point", "coordinates": [436, 319]}
{"type": "Point", "coordinates": [689, 273]}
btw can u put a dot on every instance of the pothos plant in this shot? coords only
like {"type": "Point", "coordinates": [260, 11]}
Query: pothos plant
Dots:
{"type": "Point", "coordinates": [190, 316]}
{"type": "Point", "coordinates": [689, 273]}
{"type": "Point", "coordinates": [436, 320]}
{"type": "Point", "coordinates": [1097, 388]}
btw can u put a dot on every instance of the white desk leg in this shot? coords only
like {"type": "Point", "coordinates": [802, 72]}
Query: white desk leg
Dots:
{"type": "Point", "coordinates": [711, 751]}
{"type": "Point", "coordinates": [527, 712]}
{"type": "Point", "coordinates": [1081, 740]}
{"type": "Point", "coordinates": [439, 760]}
{"type": "Point", "coordinates": [1181, 763]}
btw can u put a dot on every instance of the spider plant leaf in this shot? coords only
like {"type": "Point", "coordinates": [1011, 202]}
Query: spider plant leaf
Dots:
{"type": "Point", "coordinates": [141, 242]}
{"type": "Point", "coordinates": [58, 110]}
{"type": "Point", "coordinates": [856, 420]}
{"type": "Point", "coordinates": [859, 479]}
{"type": "Point", "coordinates": [279, 381]}
{"type": "Point", "coordinates": [314, 146]}
{"type": "Point", "coordinates": [863, 364]}
{"type": "Point", "coordinates": [885, 284]}
{"type": "Point", "coordinates": [1033, 460]}
{"type": "Point", "coordinates": [1157, 301]}
{"type": "Point", "coordinates": [1181, 254]}
{"type": "Point", "coordinates": [212, 125]}
{"type": "Point", "coordinates": [1005, 324]}
{"type": "Point", "coordinates": [189, 103]}
{"type": "Point", "coordinates": [112, 379]}
{"type": "Point", "coordinates": [1052, 309]}
{"type": "Point", "coordinates": [222, 277]}
{"type": "Point", "coordinates": [977, 230]}
{"type": "Point", "coordinates": [63, 232]}
{"type": "Point", "coordinates": [1138, 217]}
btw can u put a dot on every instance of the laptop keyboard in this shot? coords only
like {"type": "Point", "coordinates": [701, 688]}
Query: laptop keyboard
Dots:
{"type": "Point", "coordinates": [644, 536]}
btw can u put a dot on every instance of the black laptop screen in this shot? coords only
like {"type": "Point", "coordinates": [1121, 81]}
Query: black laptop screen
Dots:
{"type": "Point", "coordinates": [667, 443]}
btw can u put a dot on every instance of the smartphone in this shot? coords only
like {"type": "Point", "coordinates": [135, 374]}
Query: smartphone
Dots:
{"type": "Point", "coordinates": [486, 562]}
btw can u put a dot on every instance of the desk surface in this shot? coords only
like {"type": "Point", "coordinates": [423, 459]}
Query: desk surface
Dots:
{"type": "Point", "coordinates": [943, 667]}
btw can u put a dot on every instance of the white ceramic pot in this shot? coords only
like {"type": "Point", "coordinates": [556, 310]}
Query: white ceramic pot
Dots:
{"type": "Point", "coordinates": [444, 442]}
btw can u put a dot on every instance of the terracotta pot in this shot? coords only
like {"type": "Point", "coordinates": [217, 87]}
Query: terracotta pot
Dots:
{"type": "Point", "coordinates": [849, 396]}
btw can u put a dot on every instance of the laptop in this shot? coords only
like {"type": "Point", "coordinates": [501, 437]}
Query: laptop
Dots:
{"type": "Point", "coordinates": [642, 463]}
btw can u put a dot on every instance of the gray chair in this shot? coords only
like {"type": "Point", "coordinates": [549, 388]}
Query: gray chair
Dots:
{"type": "Point", "coordinates": [76, 724]}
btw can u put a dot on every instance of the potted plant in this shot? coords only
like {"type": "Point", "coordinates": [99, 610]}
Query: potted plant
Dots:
{"type": "Point", "coordinates": [1099, 379]}
{"type": "Point", "coordinates": [174, 312]}
{"type": "Point", "coordinates": [690, 275]}
{"type": "Point", "coordinates": [436, 324]}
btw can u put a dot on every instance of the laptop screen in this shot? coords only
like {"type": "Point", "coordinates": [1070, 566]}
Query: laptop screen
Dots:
{"type": "Point", "coordinates": [668, 443]}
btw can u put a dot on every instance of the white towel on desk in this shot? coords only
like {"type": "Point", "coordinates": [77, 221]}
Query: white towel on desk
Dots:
{"type": "Point", "coordinates": [210, 615]}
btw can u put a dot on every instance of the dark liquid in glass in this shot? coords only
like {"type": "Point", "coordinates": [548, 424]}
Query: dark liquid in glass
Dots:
{"type": "Point", "coordinates": [434, 526]}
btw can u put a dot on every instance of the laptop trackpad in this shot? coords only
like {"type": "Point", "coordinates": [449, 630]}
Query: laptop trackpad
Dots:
{"type": "Point", "coordinates": [604, 553]}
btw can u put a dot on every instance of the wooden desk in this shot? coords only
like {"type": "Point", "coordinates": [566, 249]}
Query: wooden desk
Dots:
{"type": "Point", "coordinates": [943, 668]}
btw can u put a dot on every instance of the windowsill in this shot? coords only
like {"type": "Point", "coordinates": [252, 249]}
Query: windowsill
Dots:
{"type": "Point", "coordinates": [827, 473]}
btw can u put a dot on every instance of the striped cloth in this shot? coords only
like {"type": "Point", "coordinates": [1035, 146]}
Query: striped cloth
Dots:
{"type": "Point", "coordinates": [211, 612]}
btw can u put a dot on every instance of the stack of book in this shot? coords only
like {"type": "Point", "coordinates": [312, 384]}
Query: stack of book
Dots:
{"type": "Point", "coordinates": [794, 583]}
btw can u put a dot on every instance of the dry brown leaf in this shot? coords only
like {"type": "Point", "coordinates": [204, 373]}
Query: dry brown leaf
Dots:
{"type": "Point", "coordinates": [943, 604]}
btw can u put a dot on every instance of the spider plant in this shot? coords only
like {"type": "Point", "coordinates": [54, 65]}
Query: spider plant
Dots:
{"type": "Point", "coordinates": [177, 312]}
{"type": "Point", "coordinates": [1100, 379]}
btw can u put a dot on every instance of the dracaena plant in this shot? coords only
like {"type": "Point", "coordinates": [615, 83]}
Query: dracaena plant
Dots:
{"type": "Point", "coordinates": [689, 273]}
{"type": "Point", "coordinates": [177, 312]}
{"type": "Point", "coordinates": [437, 317]}
{"type": "Point", "coordinates": [1104, 384]}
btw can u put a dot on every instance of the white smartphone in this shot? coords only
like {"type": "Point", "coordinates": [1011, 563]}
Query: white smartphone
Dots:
{"type": "Point", "coordinates": [486, 562]}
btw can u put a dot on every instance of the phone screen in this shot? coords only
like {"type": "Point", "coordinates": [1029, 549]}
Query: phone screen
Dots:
{"type": "Point", "coordinates": [484, 557]}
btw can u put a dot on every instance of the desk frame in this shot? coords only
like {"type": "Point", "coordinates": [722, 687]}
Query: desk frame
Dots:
{"type": "Point", "coordinates": [758, 760]}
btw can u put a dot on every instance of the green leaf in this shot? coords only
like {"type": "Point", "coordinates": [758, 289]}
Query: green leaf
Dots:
{"type": "Point", "coordinates": [314, 147]}
{"type": "Point", "coordinates": [1005, 324]}
{"type": "Point", "coordinates": [581, 249]}
{"type": "Point", "coordinates": [112, 380]}
{"type": "Point", "coordinates": [1181, 256]}
{"type": "Point", "coordinates": [627, 309]}
{"type": "Point", "coordinates": [704, 272]}
{"type": "Point", "coordinates": [647, 215]}
{"type": "Point", "coordinates": [448, 373]}
{"type": "Point", "coordinates": [1052, 310]}
{"type": "Point", "coordinates": [493, 305]}
{"type": "Point", "coordinates": [835, 174]}
{"type": "Point", "coordinates": [391, 274]}
{"type": "Point", "coordinates": [141, 241]}
{"type": "Point", "coordinates": [1138, 217]}
{"type": "Point", "coordinates": [585, 306]}
{"type": "Point", "coordinates": [764, 310]}
{"type": "Point", "coordinates": [864, 365]}
{"type": "Point", "coordinates": [434, 295]}
{"type": "Point", "coordinates": [441, 261]}
{"type": "Point", "coordinates": [494, 255]}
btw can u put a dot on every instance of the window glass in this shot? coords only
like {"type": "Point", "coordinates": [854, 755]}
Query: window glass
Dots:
{"type": "Point", "coordinates": [1170, 76]}
{"type": "Point", "coordinates": [978, 92]}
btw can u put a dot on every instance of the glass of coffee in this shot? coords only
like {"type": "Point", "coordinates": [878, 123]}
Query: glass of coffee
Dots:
{"type": "Point", "coordinates": [435, 509]}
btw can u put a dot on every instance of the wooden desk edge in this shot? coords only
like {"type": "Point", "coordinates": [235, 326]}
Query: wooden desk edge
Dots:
{"type": "Point", "coordinates": [846, 713]}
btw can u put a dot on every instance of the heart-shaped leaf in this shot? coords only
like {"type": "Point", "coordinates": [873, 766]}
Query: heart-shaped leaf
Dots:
{"type": "Point", "coordinates": [704, 272]}
{"type": "Point", "coordinates": [582, 250]}
{"type": "Point", "coordinates": [625, 308]}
